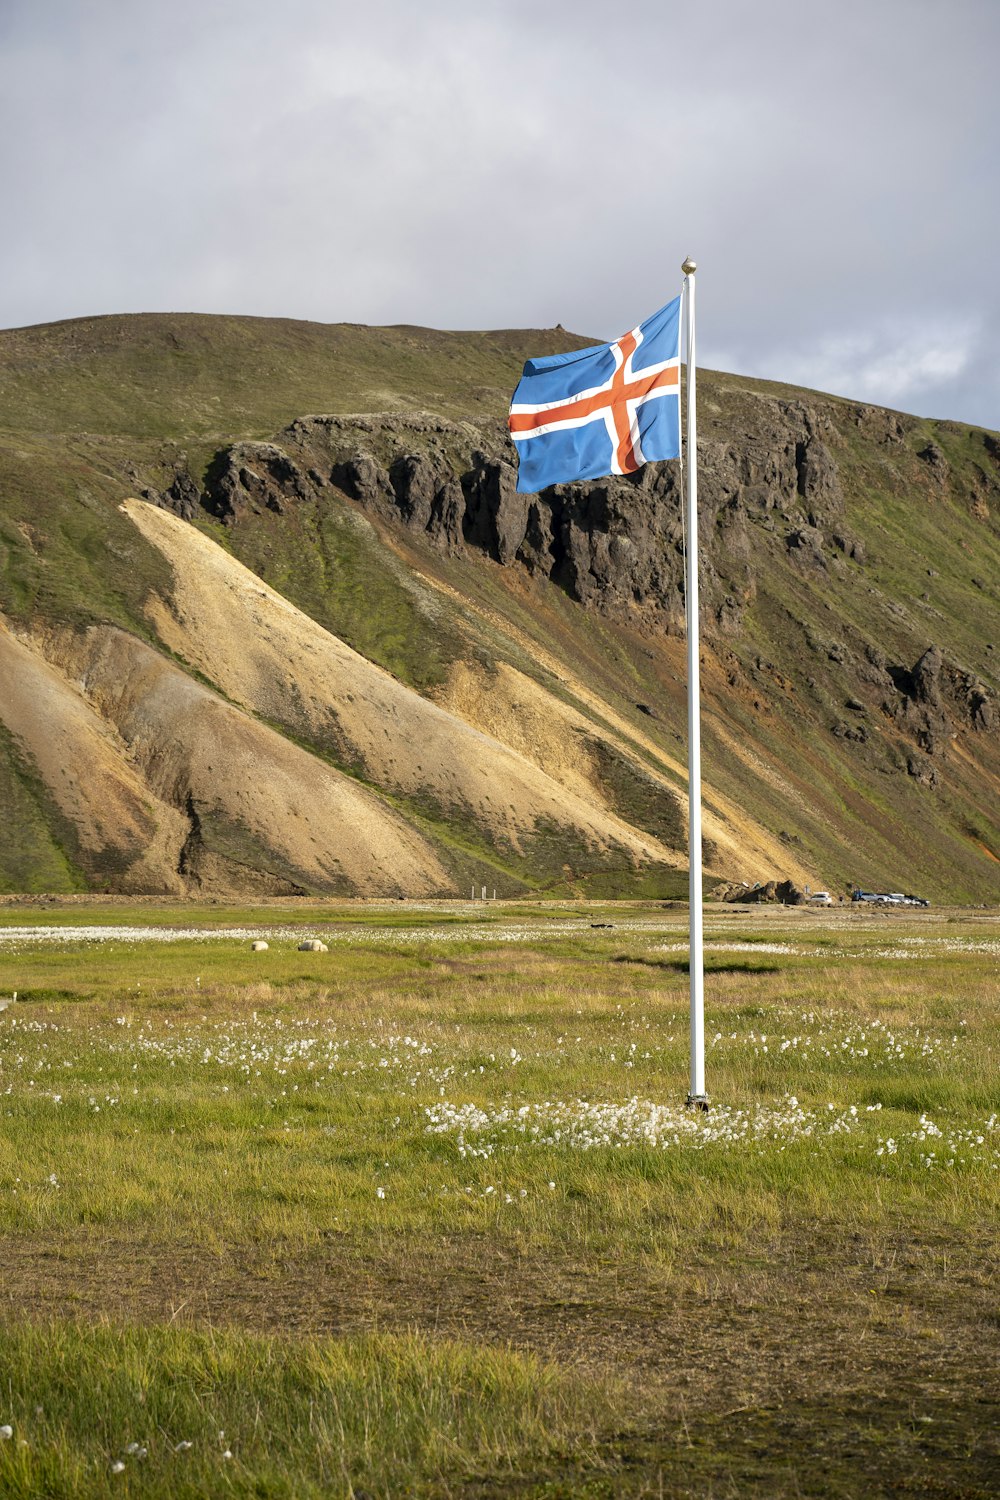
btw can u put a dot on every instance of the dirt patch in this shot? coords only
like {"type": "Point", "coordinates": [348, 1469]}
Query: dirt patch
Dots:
{"type": "Point", "coordinates": [804, 1357]}
{"type": "Point", "coordinates": [126, 833]}
{"type": "Point", "coordinates": [508, 706]}
{"type": "Point", "coordinates": [253, 800]}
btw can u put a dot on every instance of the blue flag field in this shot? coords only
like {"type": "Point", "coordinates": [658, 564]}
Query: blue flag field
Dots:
{"type": "Point", "coordinates": [604, 410]}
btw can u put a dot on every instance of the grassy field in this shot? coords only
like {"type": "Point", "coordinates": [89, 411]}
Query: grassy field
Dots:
{"type": "Point", "coordinates": [425, 1214]}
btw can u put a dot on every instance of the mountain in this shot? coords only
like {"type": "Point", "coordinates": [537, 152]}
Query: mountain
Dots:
{"type": "Point", "coordinates": [273, 619]}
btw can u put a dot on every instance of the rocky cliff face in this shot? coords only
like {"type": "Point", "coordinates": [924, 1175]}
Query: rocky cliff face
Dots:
{"type": "Point", "coordinates": [614, 544]}
{"type": "Point", "coordinates": [770, 485]}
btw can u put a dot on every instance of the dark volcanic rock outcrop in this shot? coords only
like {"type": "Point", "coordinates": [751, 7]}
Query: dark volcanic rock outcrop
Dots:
{"type": "Point", "coordinates": [927, 678]}
{"type": "Point", "coordinates": [253, 476]}
{"type": "Point", "coordinates": [496, 516]}
{"type": "Point", "coordinates": [615, 544]}
{"type": "Point", "coordinates": [937, 699]}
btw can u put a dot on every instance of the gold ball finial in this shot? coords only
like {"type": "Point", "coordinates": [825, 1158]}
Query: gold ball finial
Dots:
{"type": "Point", "coordinates": [689, 267]}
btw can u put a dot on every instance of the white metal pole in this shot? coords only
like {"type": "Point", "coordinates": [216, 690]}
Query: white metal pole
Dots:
{"type": "Point", "coordinates": [696, 1097]}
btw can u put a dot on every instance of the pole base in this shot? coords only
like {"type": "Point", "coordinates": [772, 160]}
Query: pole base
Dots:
{"type": "Point", "coordinates": [697, 1101]}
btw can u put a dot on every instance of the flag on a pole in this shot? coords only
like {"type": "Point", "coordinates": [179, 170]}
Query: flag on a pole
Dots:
{"type": "Point", "coordinates": [603, 410]}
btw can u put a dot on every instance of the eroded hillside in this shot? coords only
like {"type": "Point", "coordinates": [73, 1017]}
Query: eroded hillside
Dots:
{"type": "Point", "coordinates": [289, 652]}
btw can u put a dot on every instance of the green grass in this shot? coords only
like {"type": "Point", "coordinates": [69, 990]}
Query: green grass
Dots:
{"type": "Point", "coordinates": [176, 1052]}
{"type": "Point", "coordinates": [67, 555]}
{"type": "Point", "coordinates": [169, 1412]}
{"type": "Point", "coordinates": [34, 853]}
{"type": "Point", "coordinates": [160, 375]}
{"type": "Point", "coordinates": [425, 1214]}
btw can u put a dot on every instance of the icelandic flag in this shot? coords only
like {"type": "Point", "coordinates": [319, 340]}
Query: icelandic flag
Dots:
{"type": "Point", "coordinates": [602, 410]}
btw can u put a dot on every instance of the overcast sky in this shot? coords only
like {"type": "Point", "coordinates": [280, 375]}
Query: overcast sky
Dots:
{"type": "Point", "coordinates": [832, 165]}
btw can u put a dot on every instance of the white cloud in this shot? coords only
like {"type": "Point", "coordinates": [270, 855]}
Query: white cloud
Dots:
{"type": "Point", "coordinates": [520, 164]}
{"type": "Point", "coordinates": [885, 365]}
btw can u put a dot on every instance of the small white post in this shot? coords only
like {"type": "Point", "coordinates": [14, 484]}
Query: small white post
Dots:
{"type": "Point", "coordinates": [697, 1098]}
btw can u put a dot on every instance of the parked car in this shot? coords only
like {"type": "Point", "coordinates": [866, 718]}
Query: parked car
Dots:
{"type": "Point", "coordinates": [888, 898]}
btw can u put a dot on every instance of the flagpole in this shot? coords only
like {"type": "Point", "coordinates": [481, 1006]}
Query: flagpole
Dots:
{"type": "Point", "coordinates": [697, 1098]}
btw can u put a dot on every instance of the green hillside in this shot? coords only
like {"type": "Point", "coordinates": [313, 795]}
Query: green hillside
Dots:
{"type": "Point", "coordinates": [827, 577]}
{"type": "Point", "coordinates": [159, 375]}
